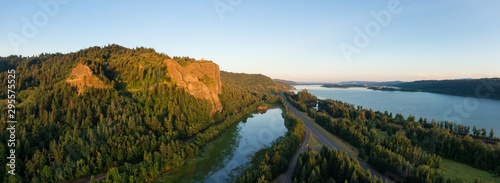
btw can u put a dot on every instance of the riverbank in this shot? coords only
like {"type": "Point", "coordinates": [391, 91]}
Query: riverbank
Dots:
{"type": "Point", "coordinates": [270, 162]}
{"type": "Point", "coordinates": [207, 158]}
{"type": "Point", "coordinates": [225, 156]}
{"type": "Point", "coordinates": [359, 122]}
{"type": "Point", "coordinates": [475, 111]}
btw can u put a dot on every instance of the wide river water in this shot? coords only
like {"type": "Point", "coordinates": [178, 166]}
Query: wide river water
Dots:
{"type": "Point", "coordinates": [479, 112]}
{"type": "Point", "coordinates": [233, 150]}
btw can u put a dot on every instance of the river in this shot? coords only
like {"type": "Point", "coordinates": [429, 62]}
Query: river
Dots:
{"type": "Point", "coordinates": [479, 112]}
{"type": "Point", "coordinates": [232, 152]}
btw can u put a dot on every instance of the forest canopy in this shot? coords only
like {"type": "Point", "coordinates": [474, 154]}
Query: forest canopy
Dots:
{"type": "Point", "coordinates": [139, 120]}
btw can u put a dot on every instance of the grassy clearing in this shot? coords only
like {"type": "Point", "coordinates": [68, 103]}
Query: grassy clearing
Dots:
{"type": "Point", "coordinates": [211, 155]}
{"type": "Point", "coordinates": [401, 132]}
{"type": "Point", "coordinates": [315, 151]}
{"type": "Point", "coordinates": [381, 134]}
{"type": "Point", "coordinates": [348, 147]}
{"type": "Point", "coordinates": [313, 142]}
{"type": "Point", "coordinates": [452, 169]}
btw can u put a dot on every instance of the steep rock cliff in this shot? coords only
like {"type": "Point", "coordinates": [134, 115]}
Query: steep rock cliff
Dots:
{"type": "Point", "coordinates": [201, 79]}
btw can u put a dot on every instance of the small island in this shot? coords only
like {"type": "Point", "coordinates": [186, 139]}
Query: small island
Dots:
{"type": "Point", "coordinates": [385, 88]}
{"type": "Point", "coordinates": [344, 86]}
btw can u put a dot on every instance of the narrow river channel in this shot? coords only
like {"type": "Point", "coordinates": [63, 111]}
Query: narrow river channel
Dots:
{"type": "Point", "coordinates": [232, 152]}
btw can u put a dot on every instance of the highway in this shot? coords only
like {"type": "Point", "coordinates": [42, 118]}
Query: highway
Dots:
{"type": "Point", "coordinates": [322, 138]}
{"type": "Point", "coordinates": [309, 128]}
{"type": "Point", "coordinates": [289, 171]}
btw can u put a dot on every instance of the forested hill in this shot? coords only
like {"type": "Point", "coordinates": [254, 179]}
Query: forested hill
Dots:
{"type": "Point", "coordinates": [483, 88]}
{"type": "Point", "coordinates": [253, 82]}
{"type": "Point", "coordinates": [87, 112]}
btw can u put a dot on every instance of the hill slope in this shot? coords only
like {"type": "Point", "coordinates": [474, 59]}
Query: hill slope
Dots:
{"type": "Point", "coordinates": [201, 79]}
{"type": "Point", "coordinates": [483, 88]}
{"type": "Point", "coordinates": [82, 76]}
{"type": "Point", "coordinates": [252, 82]}
{"type": "Point", "coordinates": [86, 112]}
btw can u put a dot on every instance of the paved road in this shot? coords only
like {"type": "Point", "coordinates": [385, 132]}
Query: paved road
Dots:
{"type": "Point", "coordinates": [310, 129]}
{"type": "Point", "coordinates": [289, 171]}
{"type": "Point", "coordinates": [322, 138]}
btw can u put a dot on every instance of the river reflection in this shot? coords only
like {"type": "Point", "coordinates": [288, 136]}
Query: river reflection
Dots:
{"type": "Point", "coordinates": [480, 112]}
{"type": "Point", "coordinates": [232, 152]}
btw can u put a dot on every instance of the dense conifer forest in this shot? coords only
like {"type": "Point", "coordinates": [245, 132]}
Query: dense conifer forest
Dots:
{"type": "Point", "coordinates": [134, 128]}
{"type": "Point", "coordinates": [136, 124]}
{"type": "Point", "coordinates": [412, 152]}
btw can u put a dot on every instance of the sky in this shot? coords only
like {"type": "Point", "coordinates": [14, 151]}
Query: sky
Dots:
{"type": "Point", "coordinates": [322, 41]}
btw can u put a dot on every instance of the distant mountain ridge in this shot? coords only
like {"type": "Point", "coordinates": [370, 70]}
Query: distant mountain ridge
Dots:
{"type": "Point", "coordinates": [374, 83]}
{"type": "Point", "coordinates": [285, 81]}
{"type": "Point", "coordinates": [254, 82]}
{"type": "Point", "coordinates": [481, 88]}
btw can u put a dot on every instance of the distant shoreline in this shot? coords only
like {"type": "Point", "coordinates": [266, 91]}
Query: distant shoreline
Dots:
{"type": "Point", "coordinates": [344, 86]}
{"type": "Point", "coordinates": [389, 88]}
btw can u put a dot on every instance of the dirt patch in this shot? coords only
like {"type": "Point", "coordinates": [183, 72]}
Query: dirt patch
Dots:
{"type": "Point", "coordinates": [82, 76]}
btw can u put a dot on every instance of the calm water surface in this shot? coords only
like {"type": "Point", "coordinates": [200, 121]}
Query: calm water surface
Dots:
{"type": "Point", "coordinates": [483, 113]}
{"type": "Point", "coordinates": [235, 148]}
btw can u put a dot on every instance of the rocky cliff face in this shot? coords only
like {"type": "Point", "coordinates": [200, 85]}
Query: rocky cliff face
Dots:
{"type": "Point", "coordinates": [201, 79]}
{"type": "Point", "coordinates": [82, 76]}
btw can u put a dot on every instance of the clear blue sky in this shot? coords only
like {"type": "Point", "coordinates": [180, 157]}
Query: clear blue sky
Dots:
{"type": "Point", "coordinates": [295, 39]}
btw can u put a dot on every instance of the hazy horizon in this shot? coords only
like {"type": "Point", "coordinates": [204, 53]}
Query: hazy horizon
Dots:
{"type": "Point", "coordinates": [124, 91]}
{"type": "Point", "coordinates": [333, 81]}
{"type": "Point", "coordinates": [315, 42]}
